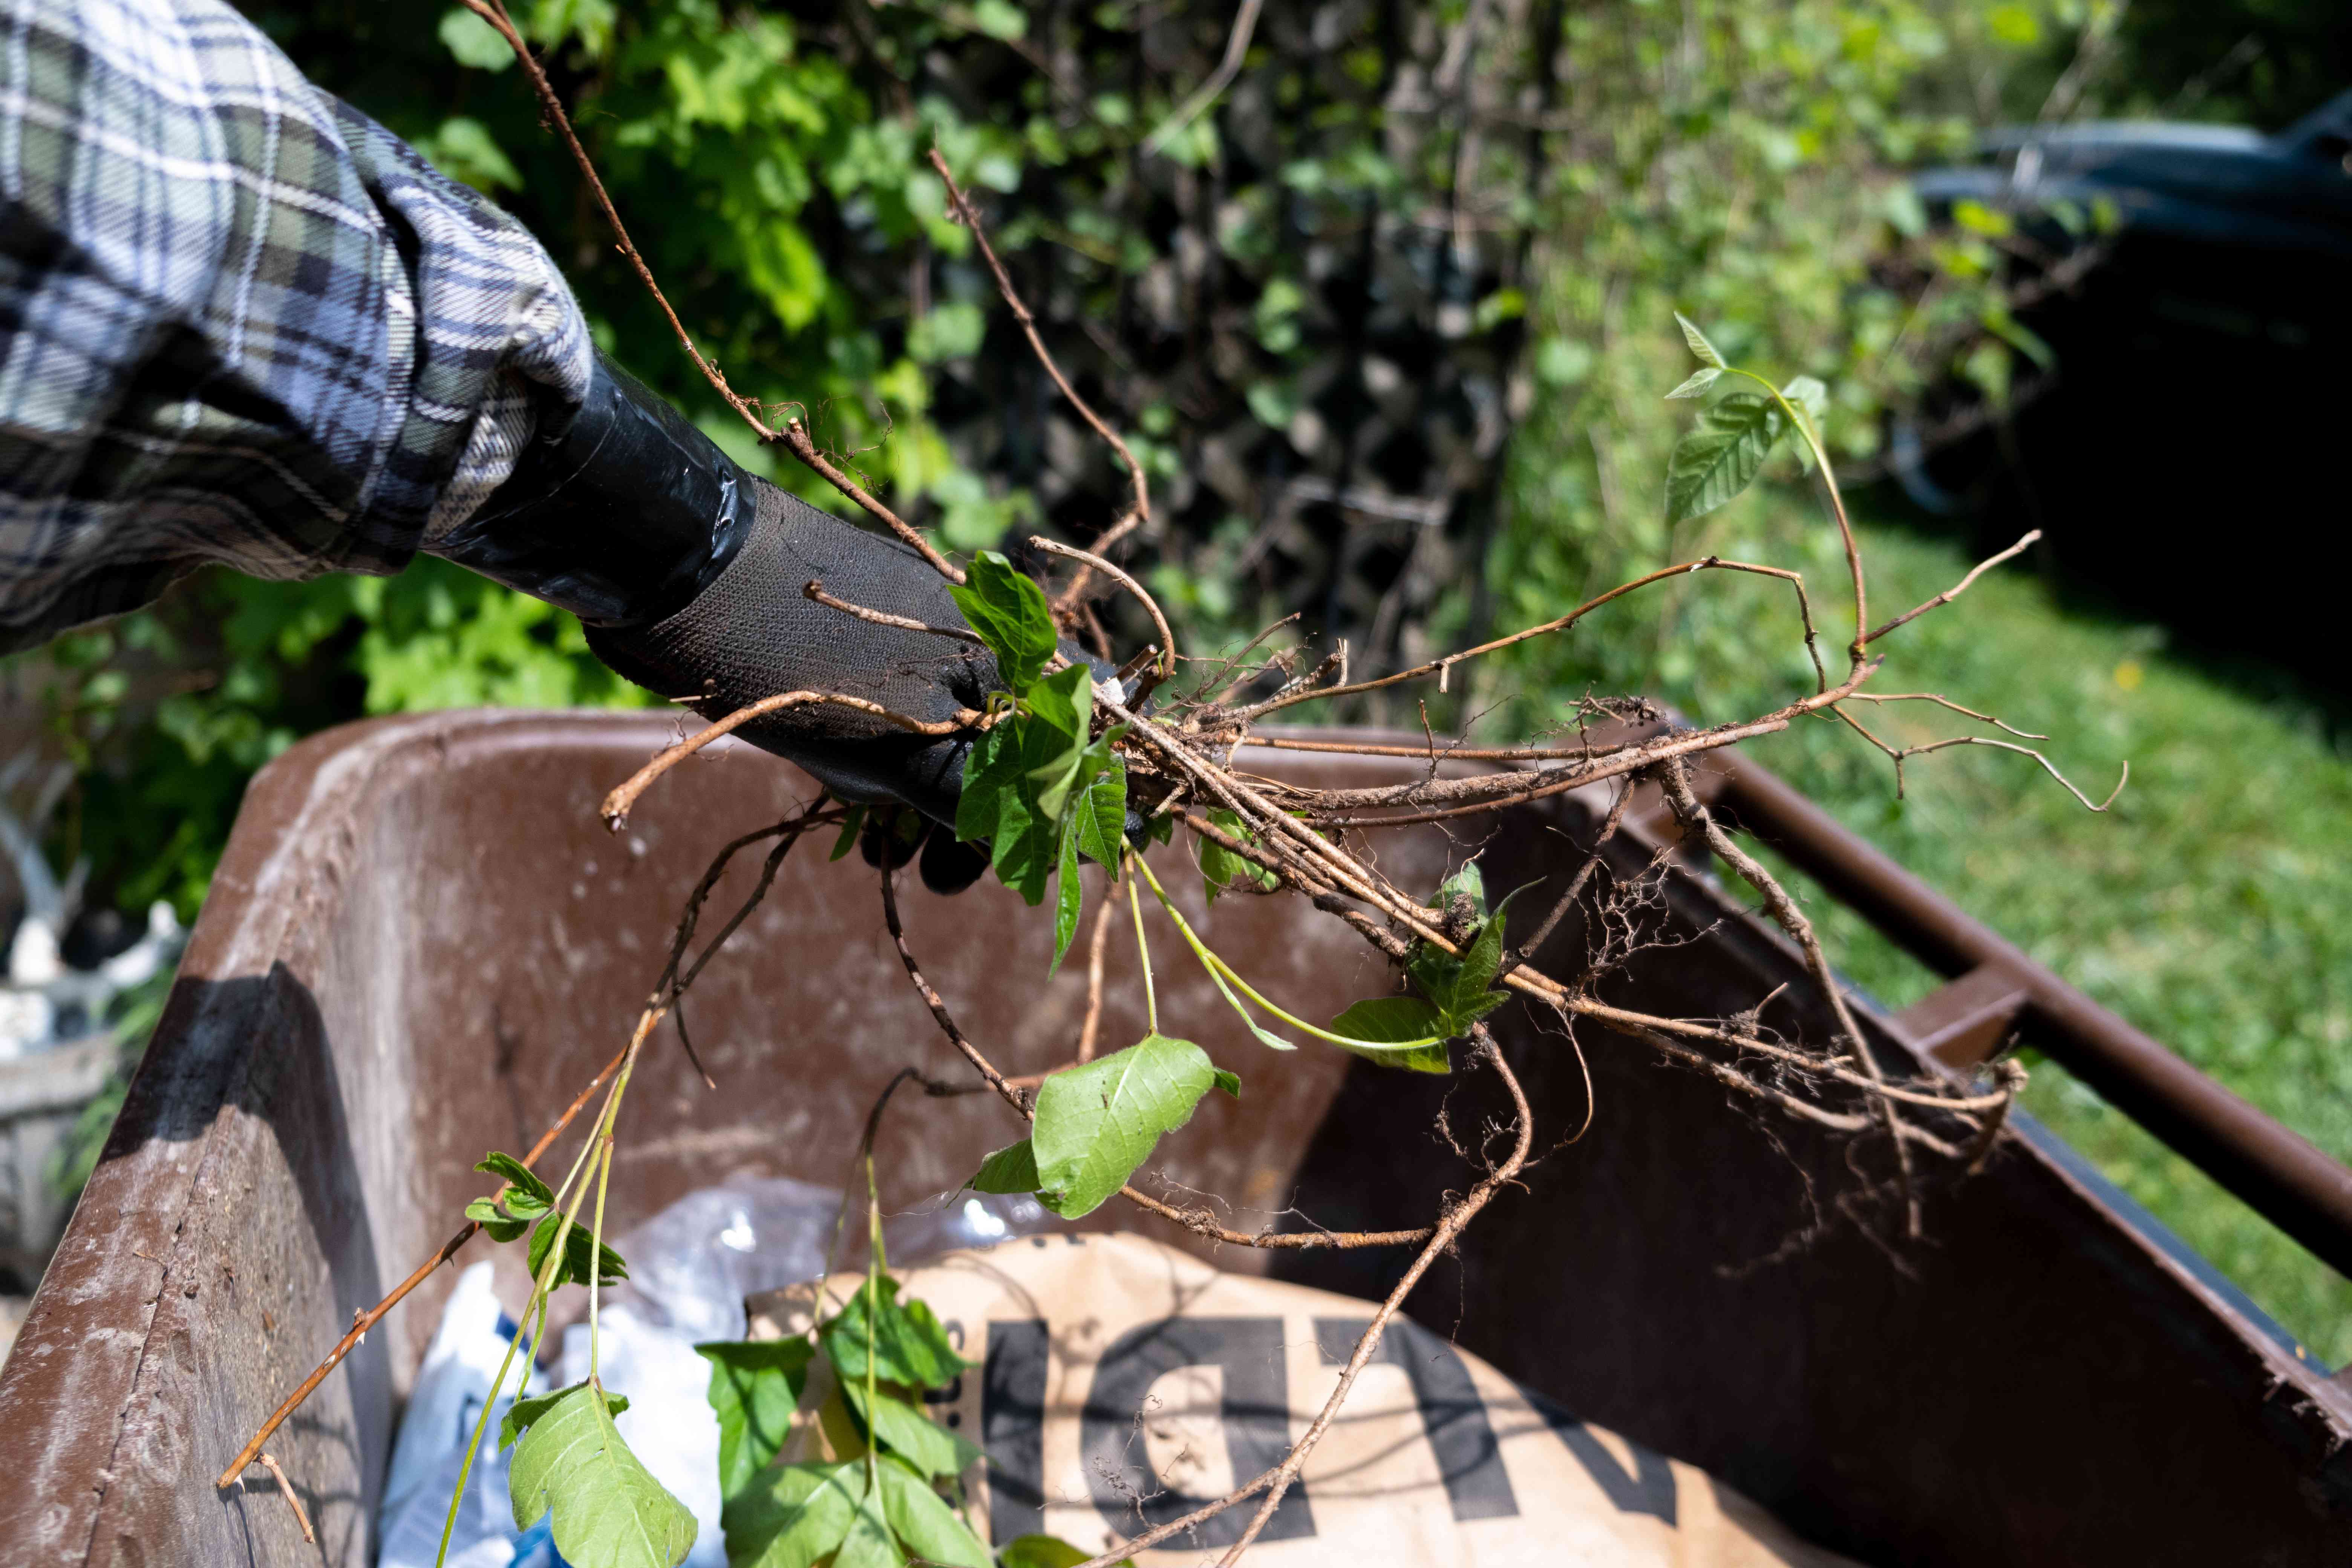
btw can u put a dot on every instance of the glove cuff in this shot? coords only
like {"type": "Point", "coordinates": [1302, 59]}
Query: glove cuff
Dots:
{"type": "Point", "coordinates": [623, 517]}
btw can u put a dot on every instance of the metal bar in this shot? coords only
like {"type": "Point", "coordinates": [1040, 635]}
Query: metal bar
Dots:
{"type": "Point", "coordinates": [2275, 1171]}
{"type": "Point", "coordinates": [1965, 1022]}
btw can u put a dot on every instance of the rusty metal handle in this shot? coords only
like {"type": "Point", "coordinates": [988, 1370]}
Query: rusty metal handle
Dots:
{"type": "Point", "coordinates": [2275, 1171]}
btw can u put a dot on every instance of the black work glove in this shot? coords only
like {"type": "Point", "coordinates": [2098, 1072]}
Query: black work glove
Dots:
{"type": "Point", "coordinates": [689, 573]}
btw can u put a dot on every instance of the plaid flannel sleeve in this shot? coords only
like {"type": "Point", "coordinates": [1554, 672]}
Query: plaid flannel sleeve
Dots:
{"type": "Point", "coordinates": [239, 321]}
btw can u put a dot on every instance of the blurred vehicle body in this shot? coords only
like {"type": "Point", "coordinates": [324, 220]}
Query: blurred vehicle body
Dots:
{"type": "Point", "coordinates": [2179, 452]}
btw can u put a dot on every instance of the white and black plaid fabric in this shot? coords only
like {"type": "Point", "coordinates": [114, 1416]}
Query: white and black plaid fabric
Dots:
{"type": "Point", "coordinates": [239, 321]}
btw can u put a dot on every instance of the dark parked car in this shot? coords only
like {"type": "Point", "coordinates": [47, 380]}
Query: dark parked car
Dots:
{"type": "Point", "coordinates": [2187, 453]}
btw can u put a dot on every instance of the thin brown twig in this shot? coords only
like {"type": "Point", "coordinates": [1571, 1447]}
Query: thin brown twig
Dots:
{"type": "Point", "coordinates": [286, 1489]}
{"type": "Point", "coordinates": [1943, 702]}
{"type": "Point", "coordinates": [794, 438]}
{"type": "Point", "coordinates": [1456, 1217]}
{"type": "Point", "coordinates": [1069, 600]}
{"type": "Point", "coordinates": [494, 12]}
{"type": "Point", "coordinates": [1452, 753]}
{"type": "Point", "coordinates": [1948, 595]}
{"type": "Point", "coordinates": [1201, 1223]}
{"type": "Point", "coordinates": [1898, 755]}
{"type": "Point", "coordinates": [939, 1014]}
{"type": "Point", "coordinates": [813, 590]}
{"type": "Point", "coordinates": [1438, 666]}
{"type": "Point", "coordinates": [1280, 1476]}
{"type": "Point", "coordinates": [374, 1315]}
{"type": "Point", "coordinates": [1211, 688]}
{"type": "Point", "coordinates": [2047, 765]}
{"type": "Point", "coordinates": [1139, 512]}
{"type": "Point", "coordinates": [2011, 1075]}
{"type": "Point", "coordinates": [1229, 66]}
{"type": "Point", "coordinates": [1283, 695]}
{"type": "Point", "coordinates": [1152, 607]}
{"type": "Point", "coordinates": [617, 804]}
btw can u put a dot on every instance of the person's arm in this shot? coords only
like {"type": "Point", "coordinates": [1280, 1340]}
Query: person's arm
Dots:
{"type": "Point", "coordinates": [242, 322]}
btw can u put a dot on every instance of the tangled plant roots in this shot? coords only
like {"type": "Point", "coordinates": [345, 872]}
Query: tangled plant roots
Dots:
{"type": "Point", "coordinates": [1175, 765]}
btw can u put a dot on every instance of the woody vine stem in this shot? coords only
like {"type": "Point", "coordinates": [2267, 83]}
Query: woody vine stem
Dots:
{"type": "Point", "coordinates": [1062, 764]}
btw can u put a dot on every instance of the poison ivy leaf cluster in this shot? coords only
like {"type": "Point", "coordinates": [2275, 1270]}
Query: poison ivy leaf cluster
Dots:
{"type": "Point", "coordinates": [1723, 453]}
{"type": "Point", "coordinates": [1039, 786]}
{"type": "Point", "coordinates": [1456, 989]}
{"type": "Point", "coordinates": [529, 1204]}
{"type": "Point", "coordinates": [878, 1501]}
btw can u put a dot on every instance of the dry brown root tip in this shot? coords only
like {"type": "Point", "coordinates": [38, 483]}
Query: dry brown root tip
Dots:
{"type": "Point", "coordinates": [286, 1490]}
{"type": "Point", "coordinates": [1948, 595]}
{"type": "Point", "coordinates": [2009, 1074]}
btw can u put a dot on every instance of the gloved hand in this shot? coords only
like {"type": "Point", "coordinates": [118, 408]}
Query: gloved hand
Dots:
{"type": "Point", "coordinates": [689, 573]}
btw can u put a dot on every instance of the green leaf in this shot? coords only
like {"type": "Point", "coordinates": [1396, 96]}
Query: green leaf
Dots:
{"type": "Point", "coordinates": [1100, 814]}
{"type": "Point", "coordinates": [1000, 18]}
{"type": "Point", "coordinates": [523, 1413]}
{"type": "Point", "coordinates": [1696, 383]}
{"type": "Point", "coordinates": [1069, 898]}
{"type": "Point", "coordinates": [573, 1271]}
{"type": "Point", "coordinates": [855, 823]}
{"type": "Point", "coordinates": [1399, 1031]}
{"type": "Point", "coordinates": [988, 769]}
{"type": "Point", "coordinates": [926, 1527]}
{"type": "Point", "coordinates": [1096, 1123]}
{"type": "Point", "coordinates": [499, 1226]}
{"type": "Point", "coordinates": [1708, 354]}
{"type": "Point", "coordinates": [1469, 880]}
{"type": "Point", "coordinates": [1008, 611]}
{"type": "Point", "coordinates": [1012, 1169]}
{"type": "Point", "coordinates": [1048, 1551]}
{"type": "Point", "coordinates": [869, 1542]}
{"type": "Point", "coordinates": [609, 1510]}
{"type": "Point", "coordinates": [1459, 987]}
{"type": "Point", "coordinates": [1221, 868]}
{"type": "Point", "coordinates": [1061, 711]}
{"type": "Point", "coordinates": [909, 1346]}
{"type": "Point", "coordinates": [1811, 399]}
{"type": "Point", "coordinates": [463, 147]}
{"type": "Point", "coordinates": [473, 41]}
{"type": "Point", "coordinates": [899, 1426]}
{"type": "Point", "coordinates": [1809, 396]}
{"type": "Point", "coordinates": [999, 805]}
{"type": "Point", "coordinates": [755, 1385]}
{"type": "Point", "coordinates": [1721, 455]}
{"type": "Point", "coordinates": [1231, 1082]}
{"type": "Point", "coordinates": [794, 1517]}
{"type": "Point", "coordinates": [526, 1195]}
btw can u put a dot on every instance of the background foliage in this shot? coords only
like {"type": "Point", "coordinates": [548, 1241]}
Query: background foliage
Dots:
{"type": "Point", "coordinates": [1388, 320]}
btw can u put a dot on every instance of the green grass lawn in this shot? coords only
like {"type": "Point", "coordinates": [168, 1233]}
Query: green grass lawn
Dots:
{"type": "Point", "coordinates": [2212, 906]}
